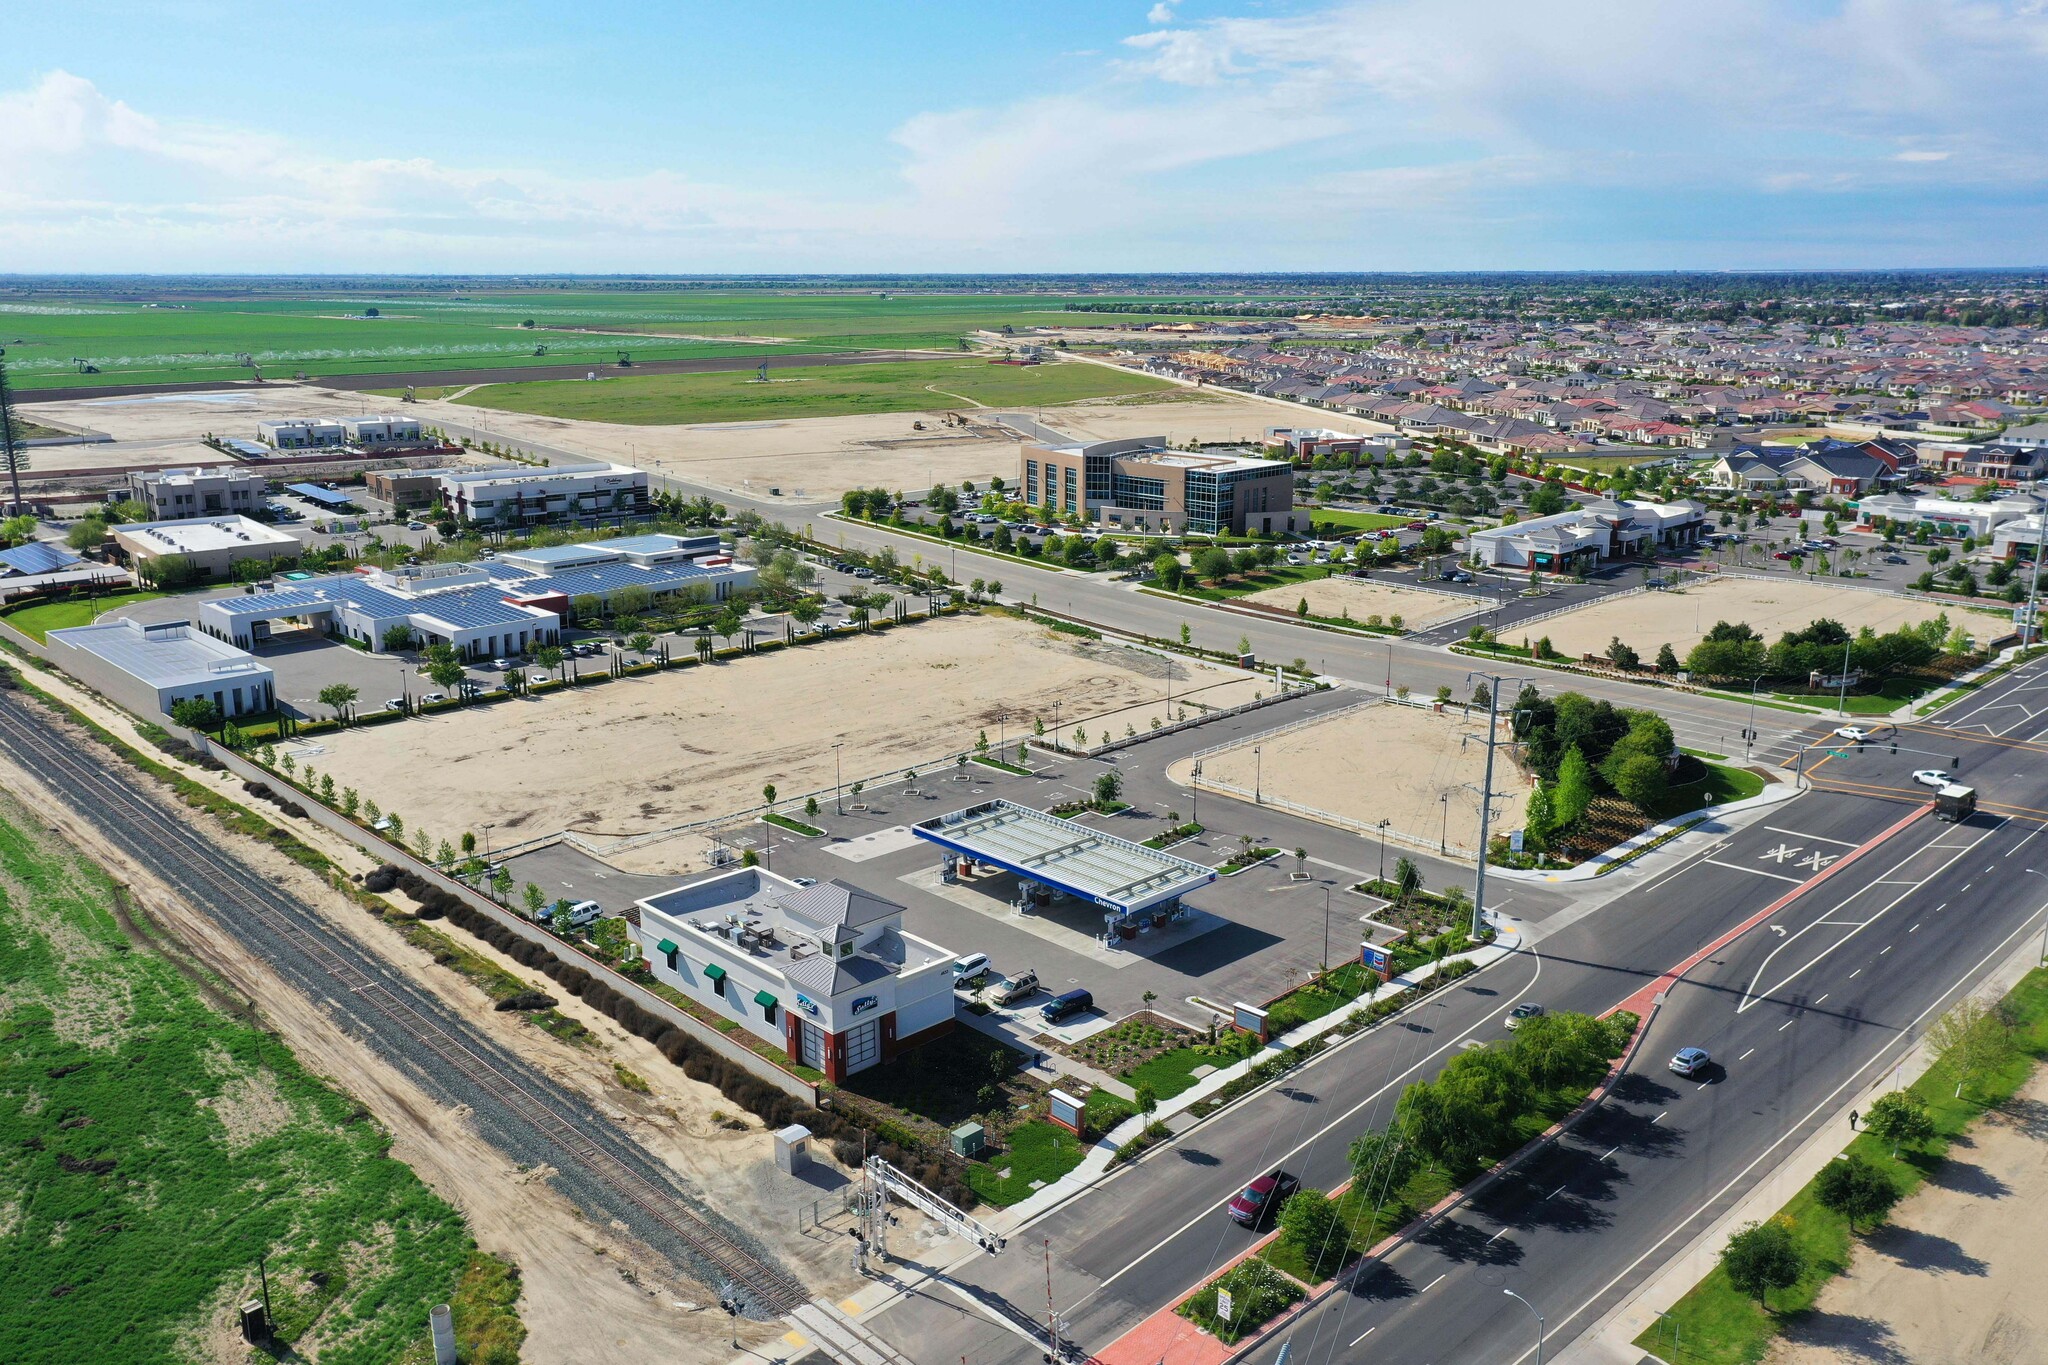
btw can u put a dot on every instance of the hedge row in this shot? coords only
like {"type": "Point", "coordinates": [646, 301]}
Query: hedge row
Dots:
{"type": "Point", "coordinates": [850, 1139]}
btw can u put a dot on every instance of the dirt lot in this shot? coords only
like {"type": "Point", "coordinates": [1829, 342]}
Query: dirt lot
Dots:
{"type": "Point", "coordinates": [589, 1294]}
{"type": "Point", "coordinates": [188, 416]}
{"type": "Point", "coordinates": [651, 753]}
{"type": "Point", "coordinates": [1363, 597]}
{"type": "Point", "coordinates": [822, 457]}
{"type": "Point", "coordinates": [1413, 758]}
{"type": "Point", "coordinates": [1682, 618]}
{"type": "Point", "coordinates": [1955, 1278]}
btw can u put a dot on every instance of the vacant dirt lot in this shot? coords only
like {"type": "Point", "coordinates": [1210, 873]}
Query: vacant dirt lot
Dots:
{"type": "Point", "coordinates": [1378, 762]}
{"type": "Point", "coordinates": [1955, 1278]}
{"type": "Point", "coordinates": [651, 753]}
{"type": "Point", "coordinates": [1681, 619]}
{"type": "Point", "coordinates": [1363, 597]}
{"type": "Point", "coordinates": [187, 416]}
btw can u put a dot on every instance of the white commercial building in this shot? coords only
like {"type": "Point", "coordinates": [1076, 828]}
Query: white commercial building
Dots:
{"type": "Point", "coordinates": [180, 494]}
{"type": "Point", "coordinates": [213, 547]}
{"type": "Point", "coordinates": [559, 493]}
{"type": "Point", "coordinates": [825, 972]}
{"type": "Point", "coordinates": [1573, 540]}
{"type": "Point", "coordinates": [150, 668]}
{"type": "Point", "coordinates": [302, 433]}
{"type": "Point", "coordinates": [2018, 539]}
{"type": "Point", "coordinates": [371, 433]}
{"type": "Point", "coordinates": [504, 606]}
{"type": "Point", "coordinates": [1944, 516]}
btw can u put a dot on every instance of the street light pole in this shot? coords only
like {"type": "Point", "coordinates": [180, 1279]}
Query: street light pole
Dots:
{"type": "Point", "coordinates": [1383, 849]}
{"type": "Point", "coordinates": [1539, 1321]}
{"type": "Point", "coordinates": [1749, 736]}
{"type": "Point", "coordinates": [1195, 794]}
{"type": "Point", "coordinates": [1258, 774]}
{"type": "Point", "coordinates": [1326, 929]}
{"type": "Point", "coordinates": [837, 809]}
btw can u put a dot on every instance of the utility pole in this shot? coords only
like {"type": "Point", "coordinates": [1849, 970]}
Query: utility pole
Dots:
{"type": "Point", "coordinates": [13, 454]}
{"type": "Point", "coordinates": [1494, 683]}
{"type": "Point", "coordinates": [2032, 633]}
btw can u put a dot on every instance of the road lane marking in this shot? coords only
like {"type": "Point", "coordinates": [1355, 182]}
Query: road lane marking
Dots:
{"type": "Point", "coordinates": [1818, 838]}
{"type": "Point", "coordinates": [1489, 1241]}
{"type": "Point", "coordinates": [1887, 948]}
{"type": "Point", "coordinates": [1659, 1117]}
{"type": "Point", "coordinates": [1753, 994]}
{"type": "Point", "coordinates": [1394, 1083]}
{"type": "Point", "coordinates": [1610, 1151]}
{"type": "Point", "coordinates": [1914, 929]}
{"type": "Point", "coordinates": [1363, 1335]}
{"type": "Point", "coordinates": [1823, 997]}
{"type": "Point", "coordinates": [1555, 1193]}
{"type": "Point", "coordinates": [1787, 1024]}
{"type": "Point", "coordinates": [1854, 1079]}
{"type": "Point", "coordinates": [1858, 972]}
{"type": "Point", "coordinates": [1433, 1283]}
{"type": "Point", "coordinates": [1757, 871]}
{"type": "Point", "coordinates": [1745, 1056]}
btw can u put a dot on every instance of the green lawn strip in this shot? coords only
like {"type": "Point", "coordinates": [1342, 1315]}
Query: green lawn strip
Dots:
{"type": "Point", "coordinates": [813, 391]}
{"type": "Point", "coordinates": [1000, 766]}
{"type": "Point", "coordinates": [1170, 1073]}
{"type": "Point", "coordinates": [1343, 520]}
{"type": "Point", "coordinates": [1039, 1151]}
{"type": "Point", "coordinates": [218, 1149]}
{"type": "Point", "coordinates": [1719, 1325]}
{"type": "Point", "coordinates": [794, 826]}
{"type": "Point", "coordinates": [1652, 846]}
{"type": "Point", "coordinates": [1178, 834]}
{"type": "Point", "coordinates": [1706, 754]}
{"type": "Point", "coordinates": [38, 621]}
{"type": "Point", "coordinates": [1721, 785]}
{"type": "Point", "coordinates": [1764, 702]}
{"type": "Point", "coordinates": [980, 547]}
{"type": "Point", "coordinates": [1279, 575]}
{"type": "Point", "coordinates": [1319, 997]}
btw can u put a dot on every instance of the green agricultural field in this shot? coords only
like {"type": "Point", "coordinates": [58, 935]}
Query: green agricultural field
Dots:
{"type": "Point", "coordinates": [813, 391]}
{"type": "Point", "coordinates": [153, 1148]}
{"type": "Point", "coordinates": [196, 338]}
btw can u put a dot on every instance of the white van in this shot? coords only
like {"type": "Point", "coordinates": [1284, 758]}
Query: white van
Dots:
{"type": "Point", "coordinates": [969, 969]}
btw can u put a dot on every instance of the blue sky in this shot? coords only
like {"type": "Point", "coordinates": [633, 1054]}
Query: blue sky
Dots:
{"type": "Point", "coordinates": [775, 136]}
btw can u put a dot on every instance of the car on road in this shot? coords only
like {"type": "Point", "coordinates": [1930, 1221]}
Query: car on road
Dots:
{"type": "Point", "coordinates": [1931, 777]}
{"type": "Point", "coordinates": [415, 526]}
{"type": "Point", "coordinates": [1894, 559]}
{"type": "Point", "coordinates": [1528, 1009]}
{"type": "Point", "coordinates": [1853, 732]}
{"type": "Point", "coordinates": [1259, 1202]}
{"type": "Point", "coordinates": [501, 664]}
{"type": "Point", "coordinates": [1017, 986]}
{"type": "Point", "coordinates": [1691, 1061]}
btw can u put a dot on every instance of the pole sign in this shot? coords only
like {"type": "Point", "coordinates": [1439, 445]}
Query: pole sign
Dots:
{"type": "Point", "coordinates": [1226, 1308]}
{"type": "Point", "coordinates": [1378, 961]}
{"type": "Point", "coordinates": [1515, 842]}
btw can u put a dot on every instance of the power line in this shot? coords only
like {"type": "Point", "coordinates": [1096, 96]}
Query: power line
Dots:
{"type": "Point", "coordinates": [13, 453]}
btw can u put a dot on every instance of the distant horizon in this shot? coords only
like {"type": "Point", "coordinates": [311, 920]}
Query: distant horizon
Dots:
{"type": "Point", "coordinates": [506, 137]}
{"type": "Point", "coordinates": [1306, 275]}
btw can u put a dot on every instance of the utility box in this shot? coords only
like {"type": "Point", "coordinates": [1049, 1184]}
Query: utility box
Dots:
{"type": "Point", "coordinates": [968, 1140]}
{"type": "Point", "coordinates": [793, 1149]}
{"type": "Point", "coordinates": [255, 1323]}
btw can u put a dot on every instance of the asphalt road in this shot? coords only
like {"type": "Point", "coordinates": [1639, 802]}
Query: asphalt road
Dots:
{"type": "Point", "coordinates": [1801, 1012]}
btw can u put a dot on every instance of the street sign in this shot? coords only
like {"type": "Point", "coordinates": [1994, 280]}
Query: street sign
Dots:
{"type": "Point", "coordinates": [1515, 842]}
{"type": "Point", "coordinates": [1224, 1305]}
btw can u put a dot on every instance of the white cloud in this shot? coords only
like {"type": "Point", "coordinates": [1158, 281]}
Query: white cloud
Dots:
{"type": "Point", "coordinates": [1161, 13]}
{"type": "Point", "coordinates": [1921, 156]}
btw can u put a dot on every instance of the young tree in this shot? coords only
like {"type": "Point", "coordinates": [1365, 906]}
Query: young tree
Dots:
{"type": "Point", "coordinates": [1898, 1117]}
{"type": "Point", "coordinates": [1762, 1257]}
{"type": "Point", "coordinates": [1213, 564]}
{"type": "Point", "coordinates": [339, 698]}
{"type": "Point", "coordinates": [1641, 781]}
{"type": "Point", "coordinates": [1971, 1041]}
{"type": "Point", "coordinates": [1667, 660]}
{"type": "Point", "coordinates": [1146, 1098]}
{"type": "Point", "coordinates": [1856, 1189]}
{"type": "Point", "coordinates": [1622, 655]}
{"type": "Point", "coordinates": [397, 637]}
{"type": "Point", "coordinates": [1574, 790]}
{"type": "Point", "coordinates": [1167, 569]}
{"type": "Point", "coordinates": [198, 713]}
{"type": "Point", "coordinates": [1310, 1223]}
{"type": "Point", "coordinates": [535, 900]}
{"type": "Point", "coordinates": [1407, 877]}
{"type": "Point", "coordinates": [768, 797]}
{"type": "Point", "coordinates": [468, 842]}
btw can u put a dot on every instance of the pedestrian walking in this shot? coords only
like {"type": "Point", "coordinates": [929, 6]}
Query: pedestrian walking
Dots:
{"type": "Point", "coordinates": [1852, 1120]}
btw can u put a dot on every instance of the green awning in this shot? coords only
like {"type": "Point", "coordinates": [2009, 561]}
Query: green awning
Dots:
{"type": "Point", "coordinates": [765, 1000]}
{"type": "Point", "coordinates": [667, 945]}
{"type": "Point", "coordinates": [714, 971]}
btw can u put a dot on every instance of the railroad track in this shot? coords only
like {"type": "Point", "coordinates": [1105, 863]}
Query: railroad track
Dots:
{"type": "Point", "coordinates": [215, 881]}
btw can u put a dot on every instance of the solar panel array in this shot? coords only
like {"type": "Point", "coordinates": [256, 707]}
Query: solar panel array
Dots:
{"type": "Point", "coordinates": [38, 556]}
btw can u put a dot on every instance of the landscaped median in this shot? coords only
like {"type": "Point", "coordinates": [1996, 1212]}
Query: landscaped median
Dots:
{"type": "Point", "coordinates": [1988, 1055]}
{"type": "Point", "coordinates": [1488, 1109]}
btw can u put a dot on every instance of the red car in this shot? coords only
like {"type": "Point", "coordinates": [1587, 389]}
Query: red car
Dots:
{"type": "Point", "coordinates": [1259, 1202]}
{"type": "Point", "coordinates": [1782, 554]}
{"type": "Point", "coordinates": [1418, 526]}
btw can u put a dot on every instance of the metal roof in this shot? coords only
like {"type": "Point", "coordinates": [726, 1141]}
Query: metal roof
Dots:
{"type": "Point", "coordinates": [166, 655]}
{"type": "Point", "coordinates": [1112, 872]}
{"type": "Point", "coordinates": [313, 492]}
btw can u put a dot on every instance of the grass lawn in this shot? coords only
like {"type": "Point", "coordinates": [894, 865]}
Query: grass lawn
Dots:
{"type": "Point", "coordinates": [1889, 697]}
{"type": "Point", "coordinates": [813, 391]}
{"type": "Point", "coordinates": [794, 826]}
{"type": "Point", "coordinates": [1721, 785]}
{"type": "Point", "coordinates": [1258, 1295]}
{"type": "Point", "coordinates": [1719, 1325]}
{"type": "Point", "coordinates": [1039, 1153]}
{"type": "Point", "coordinates": [152, 1148]}
{"type": "Point", "coordinates": [1000, 766]}
{"type": "Point", "coordinates": [1171, 1073]}
{"type": "Point", "coordinates": [38, 621]}
{"type": "Point", "coordinates": [1345, 521]}
{"type": "Point", "coordinates": [1318, 998]}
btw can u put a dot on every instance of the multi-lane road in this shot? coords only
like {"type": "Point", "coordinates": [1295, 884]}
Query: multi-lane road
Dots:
{"type": "Point", "coordinates": [1816, 942]}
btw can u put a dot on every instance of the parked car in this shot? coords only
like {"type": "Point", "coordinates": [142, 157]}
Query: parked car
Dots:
{"type": "Point", "coordinates": [1781, 554]}
{"type": "Point", "coordinates": [1691, 1061]}
{"type": "Point", "coordinates": [1061, 1008]}
{"type": "Point", "coordinates": [394, 704]}
{"type": "Point", "coordinates": [415, 526]}
{"type": "Point", "coordinates": [1259, 1202]}
{"type": "Point", "coordinates": [1528, 1009]}
{"type": "Point", "coordinates": [1019, 986]}
{"type": "Point", "coordinates": [432, 697]}
{"type": "Point", "coordinates": [539, 677]}
{"type": "Point", "coordinates": [1931, 777]}
{"type": "Point", "coordinates": [501, 663]}
{"type": "Point", "coordinates": [584, 913]}
{"type": "Point", "coordinates": [968, 970]}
